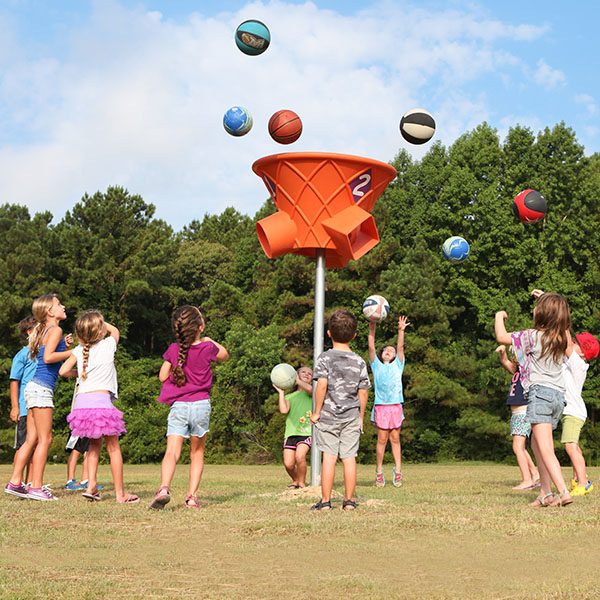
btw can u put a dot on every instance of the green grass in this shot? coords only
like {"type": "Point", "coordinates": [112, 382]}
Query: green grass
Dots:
{"type": "Point", "coordinates": [452, 531]}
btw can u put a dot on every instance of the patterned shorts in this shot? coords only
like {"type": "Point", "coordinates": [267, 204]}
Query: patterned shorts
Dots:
{"type": "Point", "coordinates": [519, 426]}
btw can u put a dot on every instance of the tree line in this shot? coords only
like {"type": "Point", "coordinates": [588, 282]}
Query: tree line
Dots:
{"type": "Point", "coordinates": [110, 252]}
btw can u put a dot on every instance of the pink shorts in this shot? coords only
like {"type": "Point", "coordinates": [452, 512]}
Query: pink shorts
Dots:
{"type": "Point", "coordinates": [388, 416]}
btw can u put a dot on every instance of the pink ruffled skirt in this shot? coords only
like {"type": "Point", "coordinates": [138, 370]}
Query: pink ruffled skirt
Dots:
{"type": "Point", "coordinates": [94, 416]}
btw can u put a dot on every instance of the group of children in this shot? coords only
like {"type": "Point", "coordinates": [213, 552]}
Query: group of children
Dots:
{"type": "Point", "coordinates": [548, 375]}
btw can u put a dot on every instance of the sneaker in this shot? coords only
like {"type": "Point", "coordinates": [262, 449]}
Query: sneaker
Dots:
{"type": "Point", "coordinates": [20, 491]}
{"type": "Point", "coordinates": [73, 486]}
{"type": "Point", "coordinates": [573, 483]}
{"type": "Point", "coordinates": [589, 487]}
{"type": "Point", "coordinates": [379, 480]}
{"type": "Point", "coordinates": [161, 499]}
{"type": "Point", "coordinates": [397, 478]}
{"type": "Point", "coordinates": [46, 486]}
{"type": "Point", "coordinates": [84, 483]}
{"type": "Point", "coordinates": [40, 494]}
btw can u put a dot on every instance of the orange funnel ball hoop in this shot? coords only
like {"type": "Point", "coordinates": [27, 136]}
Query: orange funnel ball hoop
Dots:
{"type": "Point", "coordinates": [323, 201]}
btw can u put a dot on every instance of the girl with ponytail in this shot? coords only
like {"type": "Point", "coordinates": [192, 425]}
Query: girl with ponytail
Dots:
{"type": "Point", "coordinates": [48, 345]}
{"type": "Point", "coordinates": [94, 415]}
{"type": "Point", "coordinates": [186, 375]}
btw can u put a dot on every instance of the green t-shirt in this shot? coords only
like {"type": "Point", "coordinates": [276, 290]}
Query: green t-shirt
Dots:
{"type": "Point", "coordinates": [298, 419]}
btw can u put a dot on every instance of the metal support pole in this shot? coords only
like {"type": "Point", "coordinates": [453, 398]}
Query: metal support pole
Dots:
{"type": "Point", "coordinates": [318, 332]}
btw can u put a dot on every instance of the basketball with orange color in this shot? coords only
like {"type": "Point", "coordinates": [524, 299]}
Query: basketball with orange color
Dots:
{"type": "Point", "coordinates": [285, 126]}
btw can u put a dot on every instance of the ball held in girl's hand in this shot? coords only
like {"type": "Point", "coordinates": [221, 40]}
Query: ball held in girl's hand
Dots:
{"type": "Point", "coordinates": [529, 206]}
{"type": "Point", "coordinates": [283, 376]}
{"type": "Point", "coordinates": [285, 126]}
{"type": "Point", "coordinates": [252, 37]}
{"type": "Point", "coordinates": [417, 126]}
{"type": "Point", "coordinates": [375, 308]}
{"type": "Point", "coordinates": [237, 121]}
{"type": "Point", "coordinates": [455, 249]}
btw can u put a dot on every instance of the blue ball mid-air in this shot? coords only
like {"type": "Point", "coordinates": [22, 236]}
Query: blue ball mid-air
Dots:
{"type": "Point", "coordinates": [455, 249]}
{"type": "Point", "coordinates": [252, 37]}
{"type": "Point", "coordinates": [237, 121]}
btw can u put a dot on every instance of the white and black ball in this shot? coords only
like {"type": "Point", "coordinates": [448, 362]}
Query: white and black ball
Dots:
{"type": "Point", "coordinates": [417, 126]}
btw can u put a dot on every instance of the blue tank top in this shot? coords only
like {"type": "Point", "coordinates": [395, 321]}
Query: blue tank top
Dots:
{"type": "Point", "coordinates": [46, 374]}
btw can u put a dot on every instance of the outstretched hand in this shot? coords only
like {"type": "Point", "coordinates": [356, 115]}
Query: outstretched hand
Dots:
{"type": "Point", "coordinates": [403, 323]}
{"type": "Point", "coordinates": [503, 314]}
{"type": "Point", "coordinates": [537, 293]}
{"type": "Point", "coordinates": [501, 350]}
{"type": "Point", "coordinates": [281, 391]}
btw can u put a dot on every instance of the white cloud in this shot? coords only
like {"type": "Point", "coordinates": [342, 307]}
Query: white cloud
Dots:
{"type": "Point", "coordinates": [548, 77]}
{"type": "Point", "coordinates": [139, 100]}
{"type": "Point", "coordinates": [588, 102]}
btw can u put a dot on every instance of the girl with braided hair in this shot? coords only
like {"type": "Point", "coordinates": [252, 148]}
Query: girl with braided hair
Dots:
{"type": "Point", "coordinates": [94, 415]}
{"type": "Point", "coordinates": [186, 375]}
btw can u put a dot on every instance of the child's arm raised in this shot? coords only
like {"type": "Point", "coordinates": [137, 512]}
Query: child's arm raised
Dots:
{"type": "Point", "coordinates": [508, 364]}
{"type": "Point", "coordinates": [113, 332]}
{"type": "Point", "coordinates": [284, 403]}
{"type": "Point", "coordinates": [371, 340]}
{"type": "Point", "coordinates": [319, 399]}
{"type": "Point", "coordinates": [50, 354]}
{"type": "Point", "coordinates": [403, 323]}
{"type": "Point", "coordinates": [222, 354]}
{"type": "Point", "coordinates": [502, 336]}
{"type": "Point", "coordinates": [165, 371]}
{"type": "Point", "coordinates": [67, 369]}
{"type": "Point", "coordinates": [307, 387]}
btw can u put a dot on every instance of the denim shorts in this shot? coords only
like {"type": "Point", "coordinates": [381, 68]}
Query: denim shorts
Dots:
{"type": "Point", "coordinates": [189, 418]}
{"type": "Point", "coordinates": [38, 396]}
{"type": "Point", "coordinates": [544, 405]}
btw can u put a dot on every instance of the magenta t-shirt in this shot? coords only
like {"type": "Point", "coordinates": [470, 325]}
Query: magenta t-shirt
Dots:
{"type": "Point", "coordinates": [198, 374]}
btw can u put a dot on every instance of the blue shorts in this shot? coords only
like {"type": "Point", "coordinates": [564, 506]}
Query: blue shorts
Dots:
{"type": "Point", "coordinates": [544, 405]}
{"type": "Point", "coordinates": [189, 418]}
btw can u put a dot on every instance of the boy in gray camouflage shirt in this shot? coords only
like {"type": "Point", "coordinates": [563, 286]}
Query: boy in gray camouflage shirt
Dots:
{"type": "Point", "coordinates": [340, 403]}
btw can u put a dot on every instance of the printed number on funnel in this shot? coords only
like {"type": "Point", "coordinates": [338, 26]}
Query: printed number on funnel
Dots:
{"type": "Point", "coordinates": [364, 181]}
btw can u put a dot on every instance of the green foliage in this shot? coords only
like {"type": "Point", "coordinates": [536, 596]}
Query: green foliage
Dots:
{"type": "Point", "coordinates": [111, 253]}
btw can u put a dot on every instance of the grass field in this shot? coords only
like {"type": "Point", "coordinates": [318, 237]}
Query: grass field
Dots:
{"type": "Point", "coordinates": [452, 531]}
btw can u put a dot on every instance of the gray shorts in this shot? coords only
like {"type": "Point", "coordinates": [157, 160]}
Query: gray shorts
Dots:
{"type": "Point", "coordinates": [338, 439]}
{"type": "Point", "coordinates": [544, 405]}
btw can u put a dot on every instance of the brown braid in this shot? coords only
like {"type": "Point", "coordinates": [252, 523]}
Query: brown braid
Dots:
{"type": "Point", "coordinates": [90, 329]}
{"type": "Point", "coordinates": [188, 323]}
{"type": "Point", "coordinates": [86, 355]}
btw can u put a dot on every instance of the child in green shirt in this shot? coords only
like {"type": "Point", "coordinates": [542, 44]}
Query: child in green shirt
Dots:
{"type": "Point", "coordinates": [297, 438]}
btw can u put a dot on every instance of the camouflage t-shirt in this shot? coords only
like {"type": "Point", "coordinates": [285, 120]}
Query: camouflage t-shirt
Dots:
{"type": "Point", "coordinates": [346, 373]}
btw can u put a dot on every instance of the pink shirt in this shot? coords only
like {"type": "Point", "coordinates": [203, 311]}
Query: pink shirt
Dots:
{"type": "Point", "coordinates": [198, 374]}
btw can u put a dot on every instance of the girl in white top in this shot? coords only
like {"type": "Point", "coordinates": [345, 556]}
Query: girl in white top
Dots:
{"type": "Point", "coordinates": [93, 415]}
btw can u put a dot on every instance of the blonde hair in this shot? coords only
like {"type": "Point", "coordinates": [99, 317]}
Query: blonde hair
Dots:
{"type": "Point", "coordinates": [39, 311]}
{"type": "Point", "coordinates": [90, 328]}
{"type": "Point", "coordinates": [552, 317]}
{"type": "Point", "coordinates": [187, 321]}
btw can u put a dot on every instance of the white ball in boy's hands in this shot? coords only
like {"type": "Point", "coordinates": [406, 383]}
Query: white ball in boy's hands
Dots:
{"type": "Point", "coordinates": [375, 308]}
{"type": "Point", "coordinates": [283, 376]}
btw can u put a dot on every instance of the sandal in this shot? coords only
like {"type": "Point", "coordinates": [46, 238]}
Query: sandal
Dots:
{"type": "Point", "coordinates": [191, 501]}
{"type": "Point", "coordinates": [92, 496]}
{"type": "Point", "coordinates": [161, 498]}
{"type": "Point", "coordinates": [129, 499]}
{"type": "Point", "coordinates": [320, 505]}
{"type": "Point", "coordinates": [349, 504]}
{"type": "Point", "coordinates": [560, 500]}
{"type": "Point", "coordinates": [293, 486]}
{"type": "Point", "coordinates": [540, 501]}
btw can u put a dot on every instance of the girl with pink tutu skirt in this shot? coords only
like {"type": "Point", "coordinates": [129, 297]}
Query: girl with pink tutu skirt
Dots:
{"type": "Point", "coordinates": [93, 414]}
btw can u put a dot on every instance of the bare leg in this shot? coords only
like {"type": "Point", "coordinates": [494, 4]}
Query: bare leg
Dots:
{"type": "Point", "coordinates": [84, 470]}
{"type": "Point", "coordinates": [289, 462]}
{"type": "Point", "coordinates": [72, 464]}
{"type": "Point", "coordinates": [396, 448]}
{"type": "Point", "coordinates": [518, 446]}
{"type": "Point", "coordinates": [578, 462]}
{"type": "Point", "coordinates": [382, 440]}
{"type": "Point", "coordinates": [349, 477]}
{"type": "Point", "coordinates": [23, 454]}
{"type": "Point", "coordinates": [169, 462]}
{"type": "Point", "coordinates": [533, 472]}
{"type": "Point", "coordinates": [197, 445]}
{"type": "Point", "coordinates": [93, 459]}
{"type": "Point", "coordinates": [545, 445]}
{"type": "Point", "coordinates": [327, 476]}
{"type": "Point", "coordinates": [301, 452]}
{"type": "Point", "coordinates": [43, 425]}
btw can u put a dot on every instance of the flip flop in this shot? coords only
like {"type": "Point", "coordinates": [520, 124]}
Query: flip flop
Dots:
{"type": "Point", "coordinates": [129, 499]}
{"type": "Point", "coordinates": [92, 496]}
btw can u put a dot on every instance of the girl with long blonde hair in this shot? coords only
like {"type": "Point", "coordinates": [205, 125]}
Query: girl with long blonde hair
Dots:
{"type": "Point", "coordinates": [541, 353]}
{"type": "Point", "coordinates": [49, 346]}
{"type": "Point", "coordinates": [94, 415]}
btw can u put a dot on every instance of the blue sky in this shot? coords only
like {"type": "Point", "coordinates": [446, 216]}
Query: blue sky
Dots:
{"type": "Point", "coordinates": [132, 92]}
